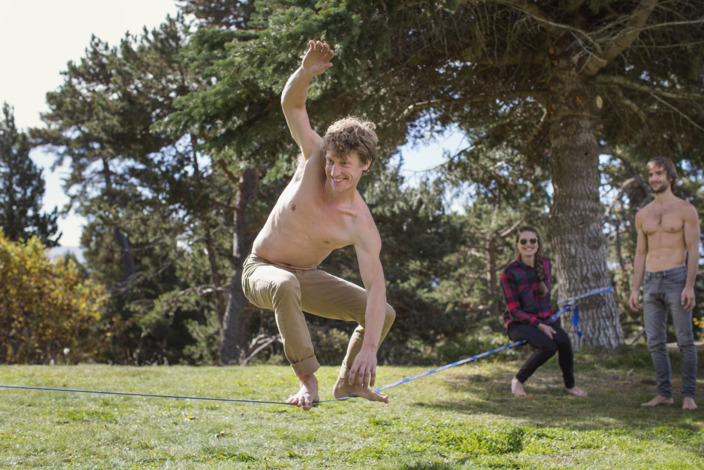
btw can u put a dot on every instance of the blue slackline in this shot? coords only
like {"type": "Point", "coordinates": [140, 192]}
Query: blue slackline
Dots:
{"type": "Point", "coordinates": [569, 303]}
{"type": "Point", "coordinates": [142, 394]}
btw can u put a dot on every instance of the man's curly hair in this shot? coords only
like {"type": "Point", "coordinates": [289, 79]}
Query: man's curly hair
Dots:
{"type": "Point", "coordinates": [352, 134]}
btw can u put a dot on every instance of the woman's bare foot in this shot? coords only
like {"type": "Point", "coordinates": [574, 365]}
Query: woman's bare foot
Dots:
{"type": "Point", "coordinates": [307, 394]}
{"type": "Point", "coordinates": [659, 400]}
{"type": "Point", "coordinates": [577, 392]}
{"type": "Point", "coordinates": [518, 390]}
{"type": "Point", "coordinates": [689, 404]}
{"type": "Point", "coordinates": [343, 389]}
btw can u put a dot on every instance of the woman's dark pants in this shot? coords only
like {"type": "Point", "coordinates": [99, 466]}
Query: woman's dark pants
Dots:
{"type": "Point", "coordinates": [545, 349]}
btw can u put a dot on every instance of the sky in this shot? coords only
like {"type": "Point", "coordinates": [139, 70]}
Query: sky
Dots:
{"type": "Point", "coordinates": [37, 40]}
{"type": "Point", "coordinates": [39, 37]}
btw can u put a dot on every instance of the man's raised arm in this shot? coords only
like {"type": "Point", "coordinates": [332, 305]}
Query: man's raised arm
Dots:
{"type": "Point", "coordinates": [293, 98]}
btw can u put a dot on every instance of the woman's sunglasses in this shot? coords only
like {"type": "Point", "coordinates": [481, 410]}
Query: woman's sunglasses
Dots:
{"type": "Point", "coordinates": [532, 241]}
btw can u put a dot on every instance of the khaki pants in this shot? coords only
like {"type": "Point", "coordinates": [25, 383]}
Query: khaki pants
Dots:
{"type": "Point", "coordinates": [290, 292]}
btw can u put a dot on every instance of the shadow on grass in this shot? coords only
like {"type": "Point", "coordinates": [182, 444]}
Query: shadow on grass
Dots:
{"type": "Point", "coordinates": [617, 385]}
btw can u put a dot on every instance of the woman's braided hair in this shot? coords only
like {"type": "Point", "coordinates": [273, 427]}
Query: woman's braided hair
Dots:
{"type": "Point", "coordinates": [538, 260]}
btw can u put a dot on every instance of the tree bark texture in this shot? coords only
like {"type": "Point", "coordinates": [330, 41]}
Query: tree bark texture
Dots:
{"type": "Point", "coordinates": [126, 252]}
{"type": "Point", "coordinates": [493, 280]}
{"type": "Point", "coordinates": [578, 241]}
{"type": "Point", "coordinates": [215, 279]}
{"type": "Point", "coordinates": [233, 333]}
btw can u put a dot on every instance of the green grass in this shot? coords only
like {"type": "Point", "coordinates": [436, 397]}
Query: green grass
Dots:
{"type": "Point", "coordinates": [463, 417]}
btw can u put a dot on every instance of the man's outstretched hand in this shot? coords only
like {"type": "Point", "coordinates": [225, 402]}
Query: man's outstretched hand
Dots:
{"type": "Point", "coordinates": [317, 59]}
{"type": "Point", "coordinates": [363, 371]}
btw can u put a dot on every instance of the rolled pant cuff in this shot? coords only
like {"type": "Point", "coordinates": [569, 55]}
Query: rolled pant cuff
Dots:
{"type": "Point", "coordinates": [306, 366]}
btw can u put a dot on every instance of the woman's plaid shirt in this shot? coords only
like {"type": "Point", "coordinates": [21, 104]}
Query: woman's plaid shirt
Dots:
{"type": "Point", "coordinates": [519, 283]}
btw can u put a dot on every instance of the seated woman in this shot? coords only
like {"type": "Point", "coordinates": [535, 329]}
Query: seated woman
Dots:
{"type": "Point", "coordinates": [526, 286]}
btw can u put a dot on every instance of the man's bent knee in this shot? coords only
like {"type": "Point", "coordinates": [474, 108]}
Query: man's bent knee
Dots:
{"type": "Point", "coordinates": [390, 316]}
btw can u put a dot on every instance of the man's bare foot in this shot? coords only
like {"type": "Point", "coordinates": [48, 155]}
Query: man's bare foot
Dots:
{"type": "Point", "coordinates": [577, 391]}
{"type": "Point", "coordinates": [343, 389]}
{"type": "Point", "coordinates": [659, 400]}
{"type": "Point", "coordinates": [518, 390]}
{"type": "Point", "coordinates": [689, 404]}
{"type": "Point", "coordinates": [307, 394]}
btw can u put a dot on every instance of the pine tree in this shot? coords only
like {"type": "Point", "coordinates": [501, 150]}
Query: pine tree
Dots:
{"type": "Point", "coordinates": [22, 188]}
{"type": "Point", "coordinates": [541, 90]}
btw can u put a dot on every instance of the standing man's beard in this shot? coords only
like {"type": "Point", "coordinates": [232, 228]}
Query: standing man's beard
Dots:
{"type": "Point", "coordinates": [661, 188]}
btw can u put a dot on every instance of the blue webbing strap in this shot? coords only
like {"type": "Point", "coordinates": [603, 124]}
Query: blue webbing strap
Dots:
{"type": "Point", "coordinates": [570, 303]}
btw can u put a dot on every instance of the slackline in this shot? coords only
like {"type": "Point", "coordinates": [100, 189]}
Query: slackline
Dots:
{"type": "Point", "coordinates": [568, 304]}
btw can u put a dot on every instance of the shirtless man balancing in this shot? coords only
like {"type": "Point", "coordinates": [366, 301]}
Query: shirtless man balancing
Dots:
{"type": "Point", "coordinates": [668, 235]}
{"type": "Point", "coordinates": [321, 210]}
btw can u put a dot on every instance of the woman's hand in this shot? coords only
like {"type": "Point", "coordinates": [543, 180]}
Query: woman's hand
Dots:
{"type": "Point", "coordinates": [548, 330]}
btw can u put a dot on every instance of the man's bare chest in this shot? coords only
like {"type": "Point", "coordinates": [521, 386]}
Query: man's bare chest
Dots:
{"type": "Point", "coordinates": [323, 224]}
{"type": "Point", "coordinates": [663, 221]}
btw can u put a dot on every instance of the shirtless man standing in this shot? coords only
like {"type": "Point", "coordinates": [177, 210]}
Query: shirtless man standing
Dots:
{"type": "Point", "coordinates": [321, 210]}
{"type": "Point", "coordinates": [668, 235]}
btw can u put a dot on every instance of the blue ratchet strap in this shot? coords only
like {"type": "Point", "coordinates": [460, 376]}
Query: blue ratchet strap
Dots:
{"type": "Point", "coordinates": [575, 320]}
{"type": "Point", "coordinates": [570, 303]}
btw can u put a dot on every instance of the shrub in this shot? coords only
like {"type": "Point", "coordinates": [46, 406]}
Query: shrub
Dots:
{"type": "Point", "coordinates": [47, 310]}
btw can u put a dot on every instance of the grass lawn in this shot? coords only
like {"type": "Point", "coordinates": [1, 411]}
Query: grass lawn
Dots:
{"type": "Point", "coordinates": [464, 417]}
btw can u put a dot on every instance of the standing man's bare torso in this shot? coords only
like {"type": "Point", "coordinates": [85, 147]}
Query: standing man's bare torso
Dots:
{"type": "Point", "coordinates": [663, 225]}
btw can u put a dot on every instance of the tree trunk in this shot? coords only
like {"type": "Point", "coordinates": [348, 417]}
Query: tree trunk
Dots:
{"type": "Point", "coordinates": [234, 328]}
{"type": "Point", "coordinates": [576, 212]}
{"type": "Point", "coordinates": [493, 279]}
{"type": "Point", "coordinates": [215, 279]}
{"type": "Point", "coordinates": [126, 254]}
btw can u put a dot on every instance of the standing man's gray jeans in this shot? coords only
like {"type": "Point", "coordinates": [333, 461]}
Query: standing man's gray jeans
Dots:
{"type": "Point", "coordinates": [662, 291]}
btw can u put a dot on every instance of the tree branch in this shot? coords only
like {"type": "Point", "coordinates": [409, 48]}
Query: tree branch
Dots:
{"type": "Point", "coordinates": [233, 179]}
{"type": "Point", "coordinates": [429, 104]}
{"type": "Point", "coordinates": [623, 40]}
{"type": "Point", "coordinates": [673, 23]}
{"type": "Point", "coordinates": [541, 123]}
{"type": "Point", "coordinates": [624, 82]}
{"type": "Point", "coordinates": [678, 112]}
{"type": "Point", "coordinates": [510, 229]}
{"type": "Point", "coordinates": [632, 106]}
{"type": "Point", "coordinates": [533, 11]}
{"type": "Point", "coordinates": [223, 205]}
